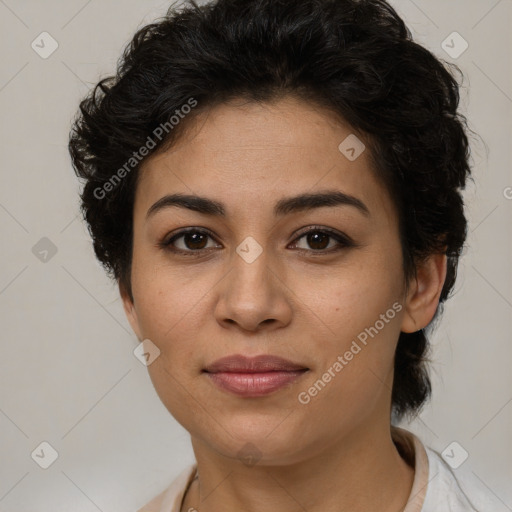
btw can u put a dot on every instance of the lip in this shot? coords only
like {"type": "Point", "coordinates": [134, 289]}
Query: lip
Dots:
{"type": "Point", "coordinates": [253, 376]}
{"type": "Point", "coordinates": [238, 363]}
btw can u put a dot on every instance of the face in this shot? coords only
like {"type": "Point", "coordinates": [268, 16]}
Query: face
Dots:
{"type": "Point", "coordinates": [318, 283]}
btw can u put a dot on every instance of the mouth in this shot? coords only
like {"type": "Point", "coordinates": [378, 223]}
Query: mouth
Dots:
{"type": "Point", "coordinates": [253, 377]}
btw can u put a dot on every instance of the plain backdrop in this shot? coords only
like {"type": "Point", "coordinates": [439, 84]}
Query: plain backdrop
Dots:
{"type": "Point", "coordinates": [68, 375]}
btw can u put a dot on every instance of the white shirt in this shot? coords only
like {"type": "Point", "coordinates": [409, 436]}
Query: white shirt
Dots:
{"type": "Point", "coordinates": [435, 487]}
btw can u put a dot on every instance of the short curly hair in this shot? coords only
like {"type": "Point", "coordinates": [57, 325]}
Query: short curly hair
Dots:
{"type": "Point", "coordinates": [356, 58]}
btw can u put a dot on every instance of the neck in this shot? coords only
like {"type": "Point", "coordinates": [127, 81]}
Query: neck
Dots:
{"type": "Point", "coordinates": [362, 472]}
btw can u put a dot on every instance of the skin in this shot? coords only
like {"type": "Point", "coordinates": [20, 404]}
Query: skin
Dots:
{"type": "Point", "coordinates": [334, 453]}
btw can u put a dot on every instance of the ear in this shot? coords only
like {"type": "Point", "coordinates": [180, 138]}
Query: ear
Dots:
{"type": "Point", "coordinates": [423, 294]}
{"type": "Point", "coordinates": [129, 309]}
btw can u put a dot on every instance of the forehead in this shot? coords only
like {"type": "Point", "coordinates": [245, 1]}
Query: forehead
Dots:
{"type": "Point", "coordinates": [248, 154]}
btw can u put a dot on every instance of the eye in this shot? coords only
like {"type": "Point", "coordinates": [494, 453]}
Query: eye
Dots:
{"type": "Point", "coordinates": [193, 241]}
{"type": "Point", "coordinates": [318, 240]}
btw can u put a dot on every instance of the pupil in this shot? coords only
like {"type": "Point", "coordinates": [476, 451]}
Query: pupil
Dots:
{"type": "Point", "coordinates": [313, 240]}
{"type": "Point", "coordinates": [196, 240]}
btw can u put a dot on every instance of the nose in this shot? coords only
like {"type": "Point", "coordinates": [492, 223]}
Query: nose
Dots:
{"type": "Point", "coordinates": [254, 296]}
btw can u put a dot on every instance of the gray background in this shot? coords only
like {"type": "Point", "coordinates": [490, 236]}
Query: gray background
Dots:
{"type": "Point", "coordinates": [68, 375]}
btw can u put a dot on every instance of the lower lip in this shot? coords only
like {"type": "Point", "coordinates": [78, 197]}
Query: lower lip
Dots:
{"type": "Point", "coordinates": [254, 384]}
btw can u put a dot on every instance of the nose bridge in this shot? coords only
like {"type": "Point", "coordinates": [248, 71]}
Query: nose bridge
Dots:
{"type": "Point", "coordinates": [252, 293]}
{"type": "Point", "coordinates": [250, 274]}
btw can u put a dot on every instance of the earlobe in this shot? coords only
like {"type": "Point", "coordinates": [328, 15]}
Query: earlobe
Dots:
{"type": "Point", "coordinates": [424, 292]}
{"type": "Point", "coordinates": [129, 309]}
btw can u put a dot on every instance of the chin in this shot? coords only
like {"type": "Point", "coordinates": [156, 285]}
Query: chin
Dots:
{"type": "Point", "coordinates": [257, 439]}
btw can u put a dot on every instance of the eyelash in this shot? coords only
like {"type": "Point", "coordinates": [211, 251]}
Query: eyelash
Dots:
{"type": "Point", "coordinates": [343, 241]}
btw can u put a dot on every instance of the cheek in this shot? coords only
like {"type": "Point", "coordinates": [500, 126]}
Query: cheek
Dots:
{"type": "Point", "coordinates": [174, 311]}
{"type": "Point", "coordinates": [166, 296]}
{"type": "Point", "coordinates": [360, 309]}
{"type": "Point", "coordinates": [168, 315]}
{"type": "Point", "coordinates": [344, 301]}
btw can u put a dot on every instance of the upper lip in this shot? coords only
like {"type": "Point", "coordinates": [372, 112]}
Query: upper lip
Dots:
{"type": "Point", "coordinates": [259, 364]}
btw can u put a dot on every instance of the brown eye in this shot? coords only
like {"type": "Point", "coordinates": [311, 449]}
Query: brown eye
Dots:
{"type": "Point", "coordinates": [318, 240]}
{"type": "Point", "coordinates": [193, 240]}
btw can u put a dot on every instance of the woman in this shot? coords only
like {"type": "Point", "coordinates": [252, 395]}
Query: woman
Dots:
{"type": "Point", "coordinates": [276, 187]}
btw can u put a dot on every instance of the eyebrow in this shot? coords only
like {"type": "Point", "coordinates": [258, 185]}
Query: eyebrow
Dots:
{"type": "Point", "coordinates": [285, 206]}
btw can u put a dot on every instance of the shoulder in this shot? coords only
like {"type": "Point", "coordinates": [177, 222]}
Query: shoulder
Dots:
{"type": "Point", "coordinates": [155, 504]}
{"type": "Point", "coordinates": [451, 493]}
{"type": "Point", "coordinates": [170, 498]}
{"type": "Point", "coordinates": [438, 488]}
